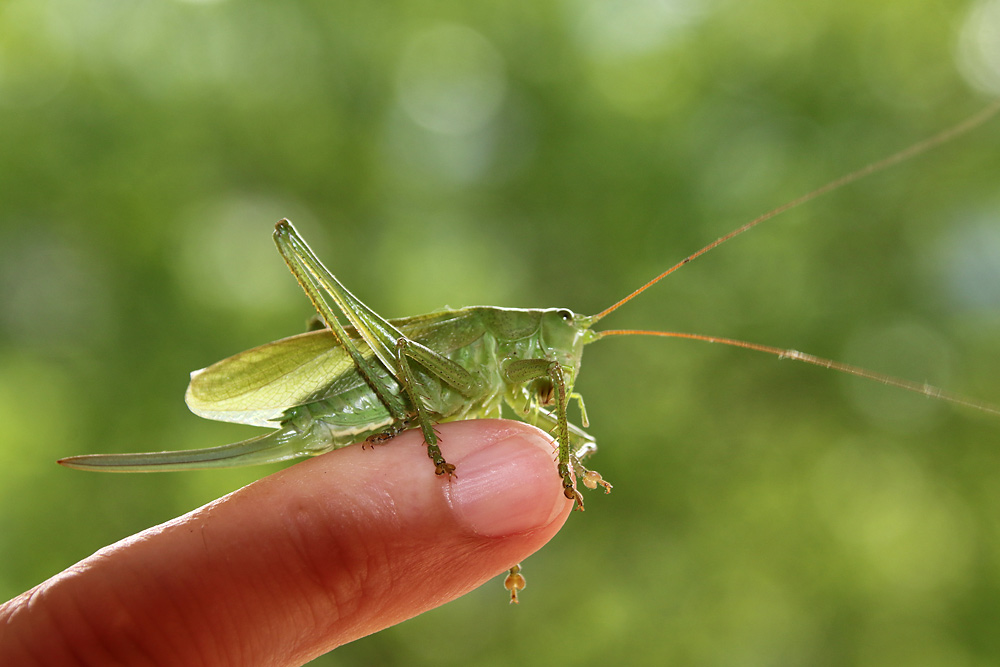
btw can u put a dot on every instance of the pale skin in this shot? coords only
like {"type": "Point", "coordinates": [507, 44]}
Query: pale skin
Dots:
{"type": "Point", "coordinates": [307, 559]}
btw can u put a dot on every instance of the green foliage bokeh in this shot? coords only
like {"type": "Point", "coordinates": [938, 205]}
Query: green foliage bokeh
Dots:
{"type": "Point", "coordinates": [539, 154]}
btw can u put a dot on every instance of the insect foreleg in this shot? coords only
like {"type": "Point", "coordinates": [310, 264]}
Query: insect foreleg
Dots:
{"type": "Point", "coordinates": [583, 410]}
{"type": "Point", "coordinates": [583, 446]}
{"type": "Point", "coordinates": [582, 442]}
{"type": "Point", "coordinates": [521, 371]}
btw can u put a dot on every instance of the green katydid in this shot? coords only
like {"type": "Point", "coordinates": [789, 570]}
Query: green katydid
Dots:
{"type": "Point", "coordinates": [372, 378]}
{"type": "Point", "coordinates": [328, 388]}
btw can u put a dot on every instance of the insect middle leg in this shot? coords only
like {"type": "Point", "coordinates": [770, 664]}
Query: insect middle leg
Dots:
{"type": "Point", "coordinates": [403, 349]}
{"type": "Point", "coordinates": [442, 368]}
{"type": "Point", "coordinates": [388, 433]}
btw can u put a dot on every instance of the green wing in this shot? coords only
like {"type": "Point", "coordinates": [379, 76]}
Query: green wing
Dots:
{"type": "Point", "coordinates": [257, 386]}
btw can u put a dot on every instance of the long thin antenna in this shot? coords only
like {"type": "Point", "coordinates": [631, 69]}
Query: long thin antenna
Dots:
{"type": "Point", "coordinates": [917, 387]}
{"type": "Point", "coordinates": [966, 125]}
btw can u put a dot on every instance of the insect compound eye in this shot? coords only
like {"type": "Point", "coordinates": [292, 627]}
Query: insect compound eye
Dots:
{"type": "Point", "coordinates": [565, 314]}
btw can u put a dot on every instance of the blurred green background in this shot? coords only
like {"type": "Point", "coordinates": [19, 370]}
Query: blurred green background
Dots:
{"type": "Point", "coordinates": [535, 153]}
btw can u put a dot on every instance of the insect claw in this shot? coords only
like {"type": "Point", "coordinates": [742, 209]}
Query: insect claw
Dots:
{"type": "Point", "coordinates": [569, 490]}
{"type": "Point", "coordinates": [376, 439]}
{"type": "Point", "coordinates": [444, 468]}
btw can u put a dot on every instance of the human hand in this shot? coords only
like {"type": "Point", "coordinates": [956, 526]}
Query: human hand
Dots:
{"type": "Point", "coordinates": [302, 561]}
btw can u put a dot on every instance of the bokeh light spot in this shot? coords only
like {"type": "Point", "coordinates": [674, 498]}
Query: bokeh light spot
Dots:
{"type": "Point", "coordinates": [451, 80]}
{"type": "Point", "coordinates": [979, 47]}
{"type": "Point", "coordinates": [970, 261]}
{"type": "Point", "coordinates": [609, 29]}
{"type": "Point", "coordinates": [227, 258]}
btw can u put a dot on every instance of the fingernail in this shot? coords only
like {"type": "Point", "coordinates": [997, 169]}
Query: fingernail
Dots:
{"type": "Point", "coordinates": [508, 487]}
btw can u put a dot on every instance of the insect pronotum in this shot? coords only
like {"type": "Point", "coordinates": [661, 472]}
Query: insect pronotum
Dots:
{"type": "Point", "coordinates": [372, 378]}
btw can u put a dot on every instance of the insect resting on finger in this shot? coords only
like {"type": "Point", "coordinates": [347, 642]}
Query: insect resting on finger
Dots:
{"type": "Point", "coordinates": [371, 378]}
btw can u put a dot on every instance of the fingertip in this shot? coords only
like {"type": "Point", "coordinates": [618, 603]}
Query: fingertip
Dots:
{"type": "Point", "coordinates": [507, 482]}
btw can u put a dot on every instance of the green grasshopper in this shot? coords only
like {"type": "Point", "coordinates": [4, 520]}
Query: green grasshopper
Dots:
{"type": "Point", "coordinates": [372, 378]}
{"type": "Point", "coordinates": [331, 387]}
